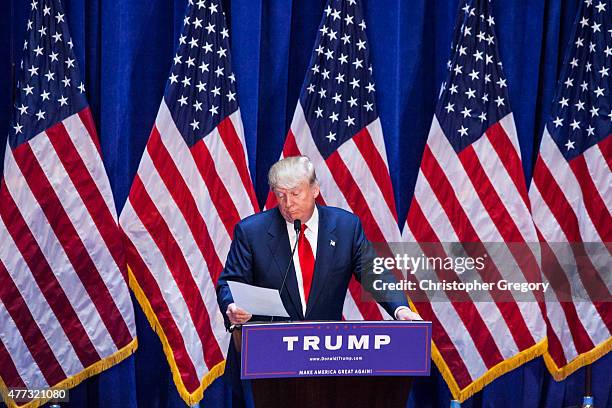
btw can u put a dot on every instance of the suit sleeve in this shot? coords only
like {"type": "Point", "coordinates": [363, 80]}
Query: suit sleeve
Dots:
{"type": "Point", "coordinates": [363, 260]}
{"type": "Point", "coordinates": [238, 267]}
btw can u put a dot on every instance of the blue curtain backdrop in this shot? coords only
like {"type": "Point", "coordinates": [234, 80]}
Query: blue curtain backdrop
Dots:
{"type": "Point", "coordinates": [124, 49]}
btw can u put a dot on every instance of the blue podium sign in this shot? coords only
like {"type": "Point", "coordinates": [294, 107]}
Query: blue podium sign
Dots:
{"type": "Point", "coordinates": [325, 349]}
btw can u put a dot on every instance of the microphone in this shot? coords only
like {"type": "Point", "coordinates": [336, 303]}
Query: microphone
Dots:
{"type": "Point", "coordinates": [297, 226]}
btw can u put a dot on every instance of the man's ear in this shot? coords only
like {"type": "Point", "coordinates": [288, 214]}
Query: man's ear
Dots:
{"type": "Point", "coordinates": [315, 190]}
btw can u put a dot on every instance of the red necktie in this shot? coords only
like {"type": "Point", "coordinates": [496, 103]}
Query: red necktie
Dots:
{"type": "Point", "coordinates": [306, 262]}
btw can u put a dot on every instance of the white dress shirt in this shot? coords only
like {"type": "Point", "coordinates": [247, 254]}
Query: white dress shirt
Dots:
{"type": "Point", "coordinates": [311, 234]}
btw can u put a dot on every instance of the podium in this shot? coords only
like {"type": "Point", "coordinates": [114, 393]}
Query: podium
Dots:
{"type": "Point", "coordinates": [333, 364]}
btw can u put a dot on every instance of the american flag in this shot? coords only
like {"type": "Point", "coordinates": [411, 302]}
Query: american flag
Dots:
{"type": "Point", "coordinates": [471, 188]}
{"type": "Point", "coordinates": [571, 192]}
{"type": "Point", "coordinates": [336, 125]}
{"type": "Point", "coordinates": [65, 307]}
{"type": "Point", "coordinates": [192, 186]}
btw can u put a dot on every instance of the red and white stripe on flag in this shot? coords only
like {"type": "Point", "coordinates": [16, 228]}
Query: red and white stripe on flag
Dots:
{"type": "Point", "coordinates": [65, 308]}
{"type": "Point", "coordinates": [571, 203]}
{"type": "Point", "coordinates": [478, 195]}
{"type": "Point", "coordinates": [571, 198]}
{"type": "Point", "coordinates": [471, 189]}
{"type": "Point", "coordinates": [178, 224]}
{"type": "Point", "coordinates": [192, 186]}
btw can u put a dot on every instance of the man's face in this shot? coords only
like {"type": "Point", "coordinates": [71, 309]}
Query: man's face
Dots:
{"type": "Point", "coordinates": [297, 203]}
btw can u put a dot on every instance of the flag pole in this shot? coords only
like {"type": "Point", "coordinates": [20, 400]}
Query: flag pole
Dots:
{"type": "Point", "coordinates": [587, 380]}
{"type": "Point", "coordinates": [587, 400]}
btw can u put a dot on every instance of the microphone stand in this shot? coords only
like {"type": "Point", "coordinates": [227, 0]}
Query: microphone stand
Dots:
{"type": "Point", "coordinates": [297, 226]}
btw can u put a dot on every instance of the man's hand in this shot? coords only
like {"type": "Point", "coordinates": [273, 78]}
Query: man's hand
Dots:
{"type": "Point", "coordinates": [406, 314]}
{"type": "Point", "coordinates": [237, 315]}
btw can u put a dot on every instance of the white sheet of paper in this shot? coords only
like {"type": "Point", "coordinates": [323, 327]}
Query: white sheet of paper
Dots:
{"type": "Point", "coordinates": [257, 300]}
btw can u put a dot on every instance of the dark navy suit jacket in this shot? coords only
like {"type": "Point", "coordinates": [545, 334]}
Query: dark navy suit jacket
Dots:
{"type": "Point", "coordinates": [261, 252]}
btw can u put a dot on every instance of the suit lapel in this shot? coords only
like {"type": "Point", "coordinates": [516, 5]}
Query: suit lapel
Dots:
{"type": "Point", "coordinates": [278, 242]}
{"type": "Point", "coordinates": [324, 257]}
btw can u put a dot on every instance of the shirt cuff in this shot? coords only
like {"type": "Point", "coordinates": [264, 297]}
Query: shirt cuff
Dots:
{"type": "Point", "coordinates": [398, 309]}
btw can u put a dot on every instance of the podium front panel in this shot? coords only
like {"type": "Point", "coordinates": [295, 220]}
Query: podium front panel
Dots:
{"type": "Point", "coordinates": [327, 349]}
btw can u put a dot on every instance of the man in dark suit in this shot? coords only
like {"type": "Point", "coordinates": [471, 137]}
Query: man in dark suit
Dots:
{"type": "Point", "coordinates": [331, 247]}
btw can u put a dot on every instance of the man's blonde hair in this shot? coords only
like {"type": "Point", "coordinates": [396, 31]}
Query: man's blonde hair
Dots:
{"type": "Point", "coordinates": [290, 171]}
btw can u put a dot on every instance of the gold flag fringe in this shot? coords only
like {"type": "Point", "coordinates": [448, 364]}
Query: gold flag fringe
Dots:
{"type": "Point", "coordinates": [561, 373]}
{"type": "Point", "coordinates": [76, 379]}
{"type": "Point", "coordinates": [190, 398]}
{"type": "Point", "coordinates": [496, 371]}
{"type": "Point", "coordinates": [493, 373]}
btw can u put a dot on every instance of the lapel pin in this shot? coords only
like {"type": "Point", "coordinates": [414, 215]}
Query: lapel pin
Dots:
{"type": "Point", "coordinates": [332, 242]}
